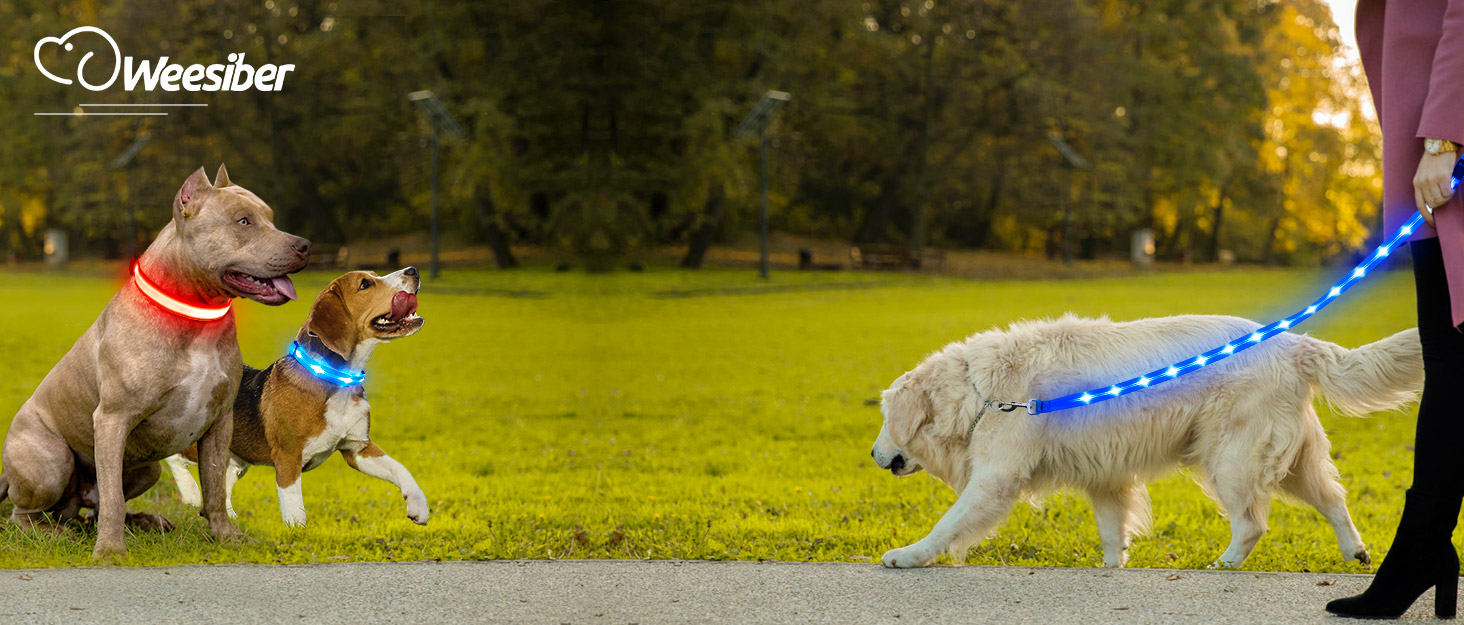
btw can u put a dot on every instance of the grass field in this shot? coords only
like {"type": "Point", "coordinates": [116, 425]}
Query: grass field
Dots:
{"type": "Point", "coordinates": [699, 415]}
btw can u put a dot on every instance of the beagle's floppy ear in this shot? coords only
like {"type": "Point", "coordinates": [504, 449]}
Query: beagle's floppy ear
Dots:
{"type": "Point", "coordinates": [905, 410]}
{"type": "Point", "coordinates": [185, 203]}
{"type": "Point", "coordinates": [331, 322]}
{"type": "Point", "coordinates": [221, 179]}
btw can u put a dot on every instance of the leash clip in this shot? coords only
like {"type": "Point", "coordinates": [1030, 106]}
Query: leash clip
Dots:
{"type": "Point", "coordinates": [1009, 406]}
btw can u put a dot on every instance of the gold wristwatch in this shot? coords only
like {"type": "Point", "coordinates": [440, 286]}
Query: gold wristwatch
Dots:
{"type": "Point", "coordinates": [1435, 147]}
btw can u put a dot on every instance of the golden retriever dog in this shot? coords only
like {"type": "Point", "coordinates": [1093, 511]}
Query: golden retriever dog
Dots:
{"type": "Point", "coordinates": [1246, 424]}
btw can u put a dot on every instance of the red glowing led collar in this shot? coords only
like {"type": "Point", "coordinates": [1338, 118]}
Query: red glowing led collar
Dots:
{"type": "Point", "coordinates": [171, 304]}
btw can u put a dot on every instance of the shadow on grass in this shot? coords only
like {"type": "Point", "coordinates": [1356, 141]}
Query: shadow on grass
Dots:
{"type": "Point", "coordinates": [489, 292]}
{"type": "Point", "coordinates": [781, 288]}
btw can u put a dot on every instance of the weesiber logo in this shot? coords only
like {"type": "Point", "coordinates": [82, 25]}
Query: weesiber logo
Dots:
{"type": "Point", "coordinates": [235, 75]}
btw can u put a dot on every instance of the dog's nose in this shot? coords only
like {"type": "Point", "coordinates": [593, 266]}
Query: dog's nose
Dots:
{"type": "Point", "coordinates": [302, 245]}
{"type": "Point", "coordinates": [411, 271]}
{"type": "Point", "coordinates": [897, 463]}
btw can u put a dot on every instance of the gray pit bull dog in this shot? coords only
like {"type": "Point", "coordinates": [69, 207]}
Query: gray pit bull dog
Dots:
{"type": "Point", "coordinates": [145, 382]}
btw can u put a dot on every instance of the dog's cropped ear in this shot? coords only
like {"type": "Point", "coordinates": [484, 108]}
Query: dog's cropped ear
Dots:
{"type": "Point", "coordinates": [185, 204]}
{"type": "Point", "coordinates": [905, 410]}
{"type": "Point", "coordinates": [221, 179]}
{"type": "Point", "coordinates": [331, 322]}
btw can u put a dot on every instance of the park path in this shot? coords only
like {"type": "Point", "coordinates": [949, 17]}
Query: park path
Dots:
{"type": "Point", "coordinates": [646, 592]}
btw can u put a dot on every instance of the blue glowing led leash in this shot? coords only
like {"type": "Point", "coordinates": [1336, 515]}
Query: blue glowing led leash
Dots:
{"type": "Point", "coordinates": [1239, 344]}
{"type": "Point", "coordinates": [324, 371]}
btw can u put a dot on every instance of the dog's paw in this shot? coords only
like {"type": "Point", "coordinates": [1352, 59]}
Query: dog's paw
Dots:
{"type": "Point", "coordinates": [47, 527]}
{"type": "Point", "coordinates": [417, 508]}
{"type": "Point", "coordinates": [191, 497]}
{"type": "Point", "coordinates": [109, 551]}
{"type": "Point", "coordinates": [910, 557]}
{"type": "Point", "coordinates": [148, 522]}
{"type": "Point", "coordinates": [225, 532]}
{"type": "Point", "coordinates": [293, 514]}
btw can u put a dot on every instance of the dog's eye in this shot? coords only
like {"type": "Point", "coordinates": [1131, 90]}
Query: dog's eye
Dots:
{"type": "Point", "coordinates": [365, 284]}
{"type": "Point", "coordinates": [243, 221]}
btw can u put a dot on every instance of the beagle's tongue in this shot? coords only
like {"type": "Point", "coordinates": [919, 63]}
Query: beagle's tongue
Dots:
{"type": "Point", "coordinates": [284, 286]}
{"type": "Point", "coordinates": [402, 304]}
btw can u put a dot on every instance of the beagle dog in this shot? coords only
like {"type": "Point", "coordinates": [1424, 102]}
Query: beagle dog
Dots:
{"type": "Point", "coordinates": [295, 413]}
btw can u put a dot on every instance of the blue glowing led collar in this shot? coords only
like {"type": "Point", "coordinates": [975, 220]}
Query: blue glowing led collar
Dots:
{"type": "Point", "coordinates": [320, 369]}
{"type": "Point", "coordinates": [1239, 344]}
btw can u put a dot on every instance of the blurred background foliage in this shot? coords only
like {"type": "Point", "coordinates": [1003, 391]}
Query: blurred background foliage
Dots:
{"type": "Point", "coordinates": [600, 129]}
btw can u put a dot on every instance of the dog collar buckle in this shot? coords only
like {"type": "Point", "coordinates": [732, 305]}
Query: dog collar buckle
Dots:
{"type": "Point", "coordinates": [323, 370]}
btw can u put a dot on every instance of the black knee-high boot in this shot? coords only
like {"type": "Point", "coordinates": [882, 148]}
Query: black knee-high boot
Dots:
{"type": "Point", "coordinates": [1422, 557]}
{"type": "Point", "coordinates": [1423, 553]}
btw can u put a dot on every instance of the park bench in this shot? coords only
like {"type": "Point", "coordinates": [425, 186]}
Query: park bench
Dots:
{"type": "Point", "coordinates": [888, 257]}
{"type": "Point", "coordinates": [805, 262]}
{"type": "Point", "coordinates": [329, 256]}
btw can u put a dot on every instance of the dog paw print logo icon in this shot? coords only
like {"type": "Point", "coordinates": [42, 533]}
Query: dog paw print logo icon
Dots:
{"type": "Point", "coordinates": [69, 47]}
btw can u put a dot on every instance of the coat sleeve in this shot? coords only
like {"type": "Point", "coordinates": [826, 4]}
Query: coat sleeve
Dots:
{"type": "Point", "coordinates": [1369, 28]}
{"type": "Point", "coordinates": [1443, 110]}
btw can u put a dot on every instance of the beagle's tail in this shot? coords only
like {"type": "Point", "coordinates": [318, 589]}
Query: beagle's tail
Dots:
{"type": "Point", "coordinates": [1384, 375]}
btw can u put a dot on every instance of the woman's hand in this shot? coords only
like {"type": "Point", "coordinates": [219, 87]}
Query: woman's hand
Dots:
{"type": "Point", "coordinates": [1434, 182]}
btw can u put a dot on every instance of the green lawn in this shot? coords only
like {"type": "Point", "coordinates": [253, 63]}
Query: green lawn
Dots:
{"type": "Point", "coordinates": [699, 415]}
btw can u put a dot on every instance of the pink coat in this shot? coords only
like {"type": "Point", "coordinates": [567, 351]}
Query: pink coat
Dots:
{"type": "Point", "coordinates": [1413, 54]}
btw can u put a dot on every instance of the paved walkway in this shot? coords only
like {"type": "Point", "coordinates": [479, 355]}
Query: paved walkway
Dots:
{"type": "Point", "coordinates": [645, 592]}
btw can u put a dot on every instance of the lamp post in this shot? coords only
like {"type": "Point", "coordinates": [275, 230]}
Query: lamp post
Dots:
{"type": "Point", "coordinates": [757, 122]}
{"type": "Point", "coordinates": [1074, 162]}
{"type": "Point", "coordinates": [119, 164]}
{"type": "Point", "coordinates": [442, 123]}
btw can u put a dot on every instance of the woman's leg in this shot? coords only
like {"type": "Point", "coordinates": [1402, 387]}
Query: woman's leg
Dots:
{"type": "Point", "coordinates": [1438, 464]}
{"type": "Point", "coordinates": [1423, 553]}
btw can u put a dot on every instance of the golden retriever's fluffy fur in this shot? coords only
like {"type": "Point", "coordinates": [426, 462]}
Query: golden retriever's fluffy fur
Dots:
{"type": "Point", "coordinates": [1246, 424]}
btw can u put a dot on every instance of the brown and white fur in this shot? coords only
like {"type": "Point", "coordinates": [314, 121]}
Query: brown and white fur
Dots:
{"type": "Point", "coordinates": [287, 418]}
{"type": "Point", "coordinates": [1246, 424]}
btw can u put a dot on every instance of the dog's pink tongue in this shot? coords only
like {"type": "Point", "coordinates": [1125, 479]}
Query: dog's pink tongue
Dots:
{"type": "Point", "coordinates": [284, 286]}
{"type": "Point", "coordinates": [403, 304]}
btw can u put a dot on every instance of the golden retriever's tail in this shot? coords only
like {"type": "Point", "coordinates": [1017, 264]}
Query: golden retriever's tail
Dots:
{"type": "Point", "coordinates": [1385, 375]}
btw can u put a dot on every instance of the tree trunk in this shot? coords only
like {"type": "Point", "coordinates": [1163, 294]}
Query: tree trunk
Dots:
{"type": "Point", "coordinates": [1270, 256]}
{"type": "Point", "coordinates": [702, 239]}
{"type": "Point", "coordinates": [1219, 216]}
{"type": "Point", "coordinates": [987, 211]}
{"type": "Point", "coordinates": [1175, 245]}
{"type": "Point", "coordinates": [920, 223]}
{"type": "Point", "coordinates": [323, 222]}
{"type": "Point", "coordinates": [872, 227]}
{"type": "Point", "coordinates": [502, 253]}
